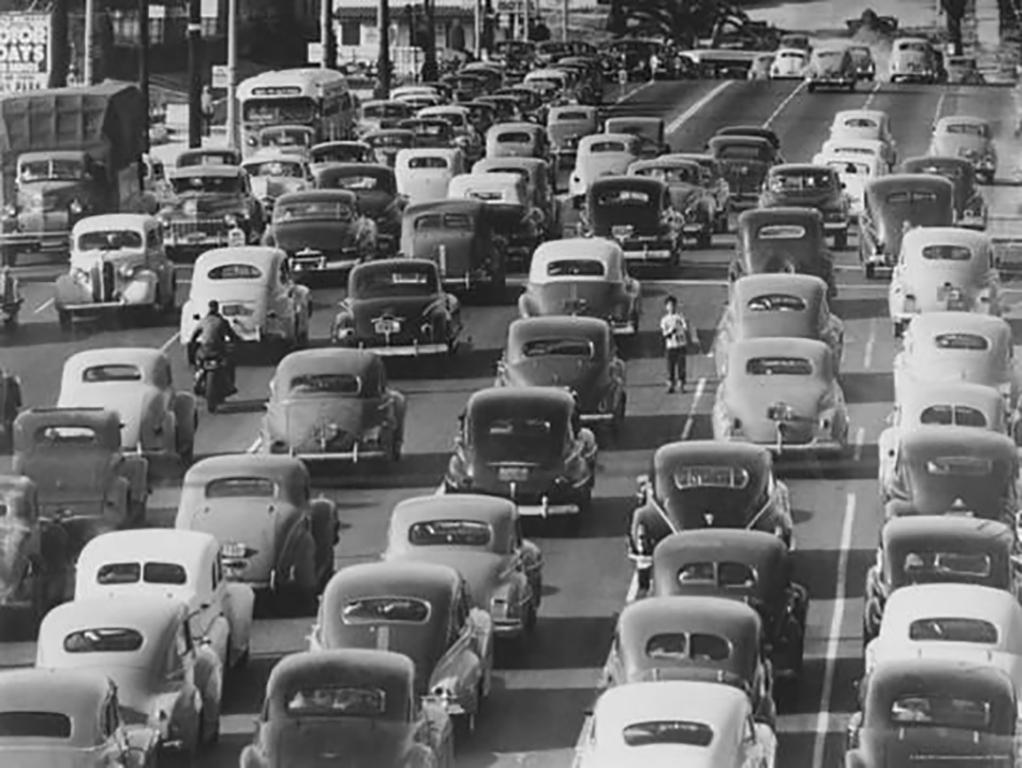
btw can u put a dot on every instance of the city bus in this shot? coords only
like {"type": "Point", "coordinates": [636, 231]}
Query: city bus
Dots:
{"type": "Point", "coordinates": [314, 97]}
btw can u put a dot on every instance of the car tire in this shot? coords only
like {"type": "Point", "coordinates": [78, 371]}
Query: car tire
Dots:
{"type": "Point", "coordinates": [8, 257]}
{"type": "Point", "coordinates": [841, 240]}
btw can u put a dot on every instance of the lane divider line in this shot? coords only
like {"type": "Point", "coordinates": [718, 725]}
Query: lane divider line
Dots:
{"type": "Point", "coordinates": [823, 719]}
{"type": "Point", "coordinates": [872, 95]}
{"type": "Point", "coordinates": [166, 345]}
{"type": "Point", "coordinates": [689, 113]}
{"type": "Point", "coordinates": [860, 441]}
{"type": "Point", "coordinates": [940, 106]}
{"type": "Point", "coordinates": [867, 356]}
{"type": "Point", "coordinates": [44, 306]}
{"type": "Point", "coordinates": [784, 103]}
{"type": "Point", "coordinates": [690, 418]}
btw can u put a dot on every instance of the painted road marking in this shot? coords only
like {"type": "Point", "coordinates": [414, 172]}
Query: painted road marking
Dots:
{"type": "Point", "coordinates": [637, 89]}
{"type": "Point", "coordinates": [823, 719]}
{"type": "Point", "coordinates": [867, 357]}
{"type": "Point", "coordinates": [44, 306]}
{"type": "Point", "coordinates": [166, 345]}
{"type": "Point", "coordinates": [690, 418]}
{"type": "Point", "coordinates": [787, 100]}
{"type": "Point", "coordinates": [689, 113]}
{"type": "Point", "coordinates": [872, 94]}
{"type": "Point", "coordinates": [940, 106]}
{"type": "Point", "coordinates": [860, 440]}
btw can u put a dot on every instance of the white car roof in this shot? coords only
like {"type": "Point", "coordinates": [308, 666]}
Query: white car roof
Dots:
{"type": "Point", "coordinates": [188, 548]}
{"type": "Point", "coordinates": [918, 237]}
{"type": "Point", "coordinates": [964, 601]}
{"type": "Point", "coordinates": [605, 251]}
{"type": "Point", "coordinates": [914, 399]}
{"type": "Point", "coordinates": [261, 256]}
{"type": "Point", "coordinates": [930, 324]}
{"type": "Point", "coordinates": [586, 142]}
{"type": "Point", "coordinates": [444, 109]}
{"type": "Point", "coordinates": [105, 221]}
{"type": "Point", "coordinates": [464, 183]}
{"type": "Point", "coordinates": [145, 358]}
{"type": "Point", "coordinates": [800, 52]}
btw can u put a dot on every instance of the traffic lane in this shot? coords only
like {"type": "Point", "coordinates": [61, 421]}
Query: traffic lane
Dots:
{"type": "Point", "coordinates": [741, 102]}
{"type": "Point", "coordinates": [803, 122]}
{"type": "Point", "coordinates": [912, 109]}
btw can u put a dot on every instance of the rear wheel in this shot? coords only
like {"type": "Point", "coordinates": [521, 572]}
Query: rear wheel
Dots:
{"type": "Point", "coordinates": [871, 271]}
{"type": "Point", "coordinates": [212, 392]}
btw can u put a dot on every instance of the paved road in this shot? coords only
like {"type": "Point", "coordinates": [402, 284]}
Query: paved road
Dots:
{"type": "Point", "coordinates": [539, 697]}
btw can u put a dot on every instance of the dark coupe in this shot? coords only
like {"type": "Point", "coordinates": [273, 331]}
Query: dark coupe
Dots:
{"type": "Point", "coordinates": [639, 213]}
{"type": "Point", "coordinates": [375, 189]}
{"type": "Point", "coordinates": [783, 240]}
{"type": "Point", "coordinates": [970, 207]}
{"type": "Point", "coordinates": [744, 161]}
{"type": "Point", "coordinates": [810, 186]}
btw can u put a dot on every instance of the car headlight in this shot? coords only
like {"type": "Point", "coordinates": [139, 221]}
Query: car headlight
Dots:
{"type": "Point", "coordinates": [126, 270]}
{"type": "Point", "coordinates": [75, 207]}
{"type": "Point", "coordinates": [231, 220]}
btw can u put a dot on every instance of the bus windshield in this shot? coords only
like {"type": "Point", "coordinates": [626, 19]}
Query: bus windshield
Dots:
{"type": "Point", "coordinates": [277, 111]}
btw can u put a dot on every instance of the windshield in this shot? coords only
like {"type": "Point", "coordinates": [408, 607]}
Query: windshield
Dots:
{"type": "Point", "coordinates": [723, 476]}
{"type": "Point", "coordinates": [802, 181]}
{"type": "Point", "coordinates": [371, 610]}
{"type": "Point", "coordinates": [34, 725]}
{"type": "Point", "coordinates": [312, 210]}
{"type": "Point", "coordinates": [558, 347]}
{"type": "Point", "coordinates": [457, 533]}
{"type": "Point", "coordinates": [939, 711]}
{"type": "Point", "coordinates": [325, 384]}
{"type": "Point", "coordinates": [953, 629]}
{"type": "Point", "coordinates": [779, 366]}
{"type": "Point", "coordinates": [276, 111]}
{"type": "Point", "coordinates": [962, 341]}
{"type": "Point", "coordinates": [968, 129]}
{"type": "Point", "coordinates": [668, 732]}
{"type": "Point", "coordinates": [53, 170]}
{"type": "Point", "coordinates": [276, 168]}
{"type": "Point", "coordinates": [110, 240]}
{"type": "Point", "coordinates": [113, 640]}
{"type": "Point", "coordinates": [286, 138]}
{"type": "Point", "coordinates": [695, 646]}
{"type": "Point", "coordinates": [961, 415]}
{"type": "Point", "coordinates": [217, 185]}
{"type": "Point", "coordinates": [113, 372]}
{"type": "Point", "coordinates": [336, 701]}
{"type": "Point", "coordinates": [723, 574]}
{"type": "Point", "coordinates": [636, 197]}
{"type": "Point", "coordinates": [241, 488]}
{"type": "Point", "coordinates": [924, 566]}
{"type": "Point", "coordinates": [678, 174]}
{"type": "Point", "coordinates": [396, 281]}
{"type": "Point", "coordinates": [149, 573]}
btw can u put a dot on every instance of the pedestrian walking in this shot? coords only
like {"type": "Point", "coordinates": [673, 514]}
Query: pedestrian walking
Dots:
{"type": "Point", "coordinates": [654, 65]}
{"type": "Point", "coordinates": [677, 333]}
{"type": "Point", "coordinates": [206, 106]}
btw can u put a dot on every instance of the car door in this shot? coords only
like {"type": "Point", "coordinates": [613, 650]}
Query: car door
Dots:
{"type": "Point", "coordinates": [460, 662]}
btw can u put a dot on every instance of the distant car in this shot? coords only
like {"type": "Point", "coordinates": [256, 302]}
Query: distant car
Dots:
{"type": "Point", "coordinates": [853, 173]}
{"type": "Point", "coordinates": [481, 537]}
{"type": "Point", "coordinates": [52, 716]}
{"type": "Point", "coordinates": [968, 137]}
{"type": "Point", "coordinates": [175, 565]}
{"type": "Point", "coordinates": [583, 276]}
{"type": "Point", "coordinates": [650, 131]}
{"type": "Point", "coordinates": [964, 70]}
{"type": "Point", "coordinates": [362, 703]}
{"type": "Point", "coordinates": [756, 131]}
{"type": "Point", "coordinates": [831, 67]}
{"type": "Point", "coordinates": [378, 114]}
{"type": "Point", "coordinates": [777, 305]}
{"type": "Point", "coordinates": [761, 66]}
{"type": "Point", "coordinates": [698, 724]}
{"type": "Point", "coordinates": [387, 142]}
{"type": "Point", "coordinates": [525, 444]}
{"type": "Point", "coordinates": [422, 610]}
{"type": "Point", "coordinates": [913, 60]}
{"type": "Point", "coordinates": [699, 484]}
{"type": "Point", "coordinates": [789, 64]}
{"type": "Point", "coordinates": [565, 127]}
{"type": "Point", "coordinates": [862, 59]}
{"type": "Point", "coordinates": [287, 549]}
{"type": "Point", "coordinates": [194, 156]}
{"type": "Point", "coordinates": [166, 679]}
{"type": "Point", "coordinates": [272, 174]}
{"type": "Point", "coordinates": [868, 124]}
{"type": "Point", "coordinates": [744, 161]}
{"type": "Point", "coordinates": [639, 213]}
{"type": "Point", "coordinates": [257, 293]}
{"type": "Point", "coordinates": [931, 549]}
{"type": "Point", "coordinates": [943, 269]}
{"type": "Point", "coordinates": [398, 307]}
{"type": "Point", "coordinates": [466, 138]}
{"type": "Point", "coordinates": [577, 353]}
{"type": "Point", "coordinates": [693, 638]}
{"type": "Point", "coordinates": [600, 154]}
{"type": "Point", "coordinates": [875, 154]}
{"type": "Point", "coordinates": [713, 181]}
{"type": "Point", "coordinates": [537, 175]}
{"type": "Point", "coordinates": [118, 264]}
{"type": "Point", "coordinates": [375, 188]}
{"type": "Point", "coordinates": [782, 393]}
{"type": "Point", "coordinates": [508, 207]}
{"type": "Point", "coordinates": [329, 153]}
{"type": "Point", "coordinates": [810, 186]}
{"type": "Point", "coordinates": [933, 709]}
{"type": "Point", "coordinates": [424, 174]}
{"type": "Point", "coordinates": [136, 383]}
{"type": "Point", "coordinates": [291, 139]}
{"type": "Point", "coordinates": [329, 405]}
{"type": "Point", "coordinates": [797, 40]}
{"type": "Point", "coordinates": [690, 194]}
{"type": "Point", "coordinates": [789, 239]}
{"type": "Point", "coordinates": [971, 210]}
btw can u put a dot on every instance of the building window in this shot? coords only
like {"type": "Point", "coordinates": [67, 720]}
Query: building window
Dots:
{"type": "Point", "coordinates": [351, 33]}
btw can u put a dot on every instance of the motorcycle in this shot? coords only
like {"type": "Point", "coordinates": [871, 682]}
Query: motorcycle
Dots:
{"type": "Point", "coordinates": [10, 299]}
{"type": "Point", "coordinates": [211, 380]}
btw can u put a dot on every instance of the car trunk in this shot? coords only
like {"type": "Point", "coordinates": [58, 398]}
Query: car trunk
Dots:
{"type": "Point", "coordinates": [940, 286]}
{"type": "Point", "coordinates": [449, 249]}
{"type": "Point", "coordinates": [584, 376]}
{"type": "Point", "coordinates": [333, 742]}
{"type": "Point", "coordinates": [924, 746]}
{"type": "Point", "coordinates": [641, 220]}
{"type": "Point", "coordinates": [73, 479]}
{"type": "Point", "coordinates": [406, 312]}
{"type": "Point", "coordinates": [751, 400]}
{"type": "Point", "coordinates": [587, 298]}
{"type": "Point", "coordinates": [319, 425]}
{"type": "Point", "coordinates": [252, 522]}
{"type": "Point", "coordinates": [483, 571]}
{"type": "Point", "coordinates": [325, 237]}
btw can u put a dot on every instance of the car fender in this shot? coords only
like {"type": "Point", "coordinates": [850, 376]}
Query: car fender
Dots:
{"type": "Point", "coordinates": [251, 757]}
{"type": "Point", "coordinates": [65, 291]}
{"type": "Point", "coordinates": [238, 605]}
{"type": "Point", "coordinates": [483, 633]}
{"type": "Point", "coordinates": [142, 288]}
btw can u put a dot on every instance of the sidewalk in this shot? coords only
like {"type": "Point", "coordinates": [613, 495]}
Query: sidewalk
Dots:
{"type": "Point", "coordinates": [996, 50]}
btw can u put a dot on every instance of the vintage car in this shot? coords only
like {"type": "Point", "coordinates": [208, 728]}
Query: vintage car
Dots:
{"type": "Point", "coordinates": [167, 679]}
{"type": "Point", "coordinates": [913, 60]}
{"type": "Point", "coordinates": [272, 174]}
{"type": "Point", "coordinates": [782, 393]}
{"type": "Point", "coordinates": [530, 101]}
{"type": "Point", "coordinates": [481, 537]}
{"type": "Point", "coordinates": [208, 156]}
{"type": "Point", "coordinates": [347, 151]}
{"type": "Point", "coordinates": [403, 91]}
{"type": "Point", "coordinates": [378, 114]}
{"type": "Point", "coordinates": [137, 384]}
{"type": "Point", "coordinates": [810, 186]}
{"type": "Point", "coordinates": [752, 566]}
{"type": "Point", "coordinates": [943, 269]}
{"type": "Point", "coordinates": [536, 174]}
{"type": "Point", "coordinates": [649, 130]}
{"type": "Point", "coordinates": [431, 132]}
{"type": "Point", "coordinates": [970, 207]}
{"type": "Point", "coordinates": [697, 484]}
{"type": "Point", "coordinates": [895, 203]}
{"type": "Point", "coordinates": [565, 127]}
{"type": "Point", "coordinates": [291, 139]}
{"type": "Point", "coordinates": [638, 212]}
{"type": "Point", "coordinates": [68, 717]}
{"type": "Point", "coordinates": [690, 197]}
{"type": "Point", "coordinates": [176, 565]}
{"type": "Point", "coordinates": [272, 535]}
{"type": "Point", "coordinates": [84, 479]}
{"type": "Point", "coordinates": [10, 407]}
{"type": "Point", "coordinates": [526, 444]}
{"type": "Point", "coordinates": [712, 180]}
{"type": "Point", "coordinates": [556, 84]}
{"type": "Point", "coordinates": [934, 549]}
{"type": "Point", "coordinates": [257, 293]}
{"type": "Point", "coordinates": [949, 403]}
{"type": "Point", "coordinates": [777, 306]}
{"type": "Point", "coordinates": [789, 64]}
{"type": "Point", "coordinates": [424, 174]}
{"type": "Point", "coordinates": [872, 151]}
{"type": "Point", "coordinates": [967, 137]}
{"type": "Point", "coordinates": [760, 67]}
{"type": "Point", "coordinates": [520, 139]}
{"type": "Point", "coordinates": [423, 611]}
{"type": "Point", "coordinates": [398, 308]}
{"type": "Point", "coordinates": [214, 206]}
{"type": "Point", "coordinates": [683, 722]}
{"type": "Point", "coordinates": [949, 623]}
{"type": "Point", "coordinates": [863, 61]}
{"type": "Point", "coordinates": [583, 276]}
{"type": "Point", "coordinates": [853, 173]}
{"type": "Point", "coordinates": [359, 703]}
{"type": "Point", "coordinates": [322, 231]}
{"type": "Point", "coordinates": [118, 264]}
{"type": "Point", "coordinates": [600, 154]}
{"type": "Point", "coordinates": [865, 124]}
{"type": "Point", "coordinates": [957, 346]}
{"type": "Point", "coordinates": [964, 70]}
{"type": "Point", "coordinates": [387, 142]}
{"type": "Point", "coordinates": [744, 162]}
{"type": "Point", "coordinates": [788, 239]}
{"type": "Point", "coordinates": [759, 131]}
{"type": "Point", "coordinates": [933, 710]}
{"type": "Point", "coordinates": [375, 189]}
{"type": "Point", "coordinates": [502, 108]}
{"type": "Point", "coordinates": [508, 208]}
{"type": "Point", "coordinates": [333, 405]}
{"type": "Point", "coordinates": [831, 66]}
{"type": "Point", "coordinates": [692, 638]}
{"type": "Point", "coordinates": [577, 353]}
{"type": "Point", "coordinates": [465, 136]}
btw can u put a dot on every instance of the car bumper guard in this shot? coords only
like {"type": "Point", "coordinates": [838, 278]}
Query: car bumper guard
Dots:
{"type": "Point", "coordinates": [507, 629]}
{"type": "Point", "coordinates": [355, 455]}
{"type": "Point", "coordinates": [408, 350]}
{"type": "Point", "coordinates": [43, 240]}
{"type": "Point", "coordinates": [835, 226]}
{"type": "Point", "coordinates": [597, 418]}
{"type": "Point", "coordinates": [546, 509]}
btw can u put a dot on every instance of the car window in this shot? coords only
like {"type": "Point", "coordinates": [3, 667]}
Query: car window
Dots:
{"type": "Point", "coordinates": [369, 610]}
{"type": "Point", "coordinates": [241, 487]}
{"type": "Point", "coordinates": [953, 629]}
{"type": "Point", "coordinates": [575, 268]}
{"type": "Point", "coordinates": [514, 137]}
{"type": "Point", "coordinates": [581, 348]}
{"type": "Point", "coordinates": [607, 146]}
{"type": "Point", "coordinates": [97, 374]}
{"type": "Point", "coordinates": [962, 341]}
{"type": "Point", "coordinates": [34, 725]}
{"type": "Point", "coordinates": [947, 253]}
{"type": "Point", "coordinates": [776, 302]}
{"type": "Point", "coordinates": [677, 732]}
{"type": "Point", "coordinates": [740, 152]}
{"type": "Point", "coordinates": [779, 366]}
{"type": "Point", "coordinates": [946, 566]}
{"type": "Point", "coordinates": [967, 129]}
{"type": "Point", "coordinates": [801, 181]}
{"type": "Point", "coordinates": [711, 476]}
{"type": "Point", "coordinates": [961, 415]}
{"type": "Point", "coordinates": [109, 240]}
{"type": "Point", "coordinates": [346, 701]}
{"type": "Point", "coordinates": [698, 646]}
{"type": "Point", "coordinates": [464, 533]}
{"type": "Point", "coordinates": [914, 196]}
{"type": "Point", "coordinates": [941, 711]}
{"type": "Point", "coordinates": [312, 210]}
{"type": "Point", "coordinates": [326, 383]}
{"type": "Point", "coordinates": [428, 162]}
{"type": "Point", "coordinates": [103, 640]}
{"type": "Point", "coordinates": [234, 272]}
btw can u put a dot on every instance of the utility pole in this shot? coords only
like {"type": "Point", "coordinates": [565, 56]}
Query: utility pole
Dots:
{"type": "Point", "coordinates": [383, 60]}
{"type": "Point", "coordinates": [564, 20]}
{"type": "Point", "coordinates": [232, 73]}
{"type": "Point", "coordinates": [477, 29]}
{"type": "Point", "coordinates": [195, 116]}
{"type": "Point", "coordinates": [143, 61]}
{"type": "Point", "coordinates": [324, 33]}
{"type": "Point", "coordinates": [430, 70]}
{"type": "Point", "coordinates": [526, 21]}
{"type": "Point", "coordinates": [90, 12]}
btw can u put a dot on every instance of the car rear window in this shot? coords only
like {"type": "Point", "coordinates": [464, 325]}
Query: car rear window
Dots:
{"type": "Point", "coordinates": [850, 168]}
{"type": "Point", "coordinates": [960, 415]}
{"type": "Point", "coordinates": [678, 732]}
{"type": "Point", "coordinates": [385, 110]}
{"type": "Point", "coordinates": [234, 272]}
{"type": "Point", "coordinates": [781, 232]}
{"type": "Point", "coordinates": [325, 383]}
{"type": "Point", "coordinates": [150, 572]}
{"type": "Point", "coordinates": [959, 466]}
{"type": "Point", "coordinates": [939, 711]}
{"type": "Point", "coordinates": [110, 240]}
{"type": "Point", "coordinates": [312, 210]}
{"type": "Point", "coordinates": [779, 366]}
{"type": "Point", "coordinates": [459, 533]}
{"type": "Point", "coordinates": [860, 122]}
{"type": "Point", "coordinates": [360, 182]}
{"type": "Point", "coordinates": [103, 640]}
{"type": "Point", "coordinates": [801, 181]}
{"type": "Point", "coordinates": [967, 129]}
{"type": "Point", "coordinates": [608, 146]}
{"type": "Point", "coordinates": [947, 566]}
{"type": "Point", "coordinates": [458, 221]}
{"type": "Point", "coordinates": [915, 47]}
{"type": "Point", "coordinates": [241, 488]}
{"type": "Point", "coordinates": [739, 152]}
{"type": "Point", "coordinates": [514, 137]}
{"type": "Point", "coordinates": [572, 116]}
{"type": "Point", "coordinates": [946, 253]}
{"type": "Point", "coordinates": [67, 436]}
{"type": "Point", "coordinates": [115, 372]}
{"type": "Point", "coordinates": [431, 161]}
{"type": "Point", "coordinates": [777, 302]}
{"type": "Point", "coordinates": [914, 196]}
{"type": "Point", "coordinates": [722, 574]}
{"type": "Point", "coordinates": [791, 55]}
{"type": "Point", "coordinates": [369, 610]}
{"type": "Point", "coordinates": [337, 702]}
{"type": "Point", "coordinates": [707, 476]}
{"type": "Point", "coordinates": [624, 197]}
{"type": "Point", "coordinates": [558, 347]}
{"type": "Point", "coordinates": [947, 171]}
{"type": "Point", "coordinates": [486, 195]}
{"type": "Point", "coordinates": [575, 268]}
{"type": "Point", "coordinates": [967, 341]}
{"type": "Point", "coordinates": [953, 629]}
{"type": "Point", "coordinates": [34, 725]}
{"type": "Point", "coordinates": [697, 646]}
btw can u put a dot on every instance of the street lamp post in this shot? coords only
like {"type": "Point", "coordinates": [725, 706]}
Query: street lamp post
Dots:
{"type": "Point", "coordinates": [324, 33]}
{"type": "Point", "coordinates": [383, 60]}
{"type": "Point", "coordinates": [430, 70]}
{"type": "Point", "coordinates": [90, 12]}
{"type": "Point", "coordinates": [143, 60]}
{"type": "Point", "coordinates": [232, 73]}
{"type": "Point", "coordinates": [194, 73]}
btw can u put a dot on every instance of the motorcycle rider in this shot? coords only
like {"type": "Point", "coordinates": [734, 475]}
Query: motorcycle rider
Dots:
{"type": "Point", "coordinates": [212, 337]}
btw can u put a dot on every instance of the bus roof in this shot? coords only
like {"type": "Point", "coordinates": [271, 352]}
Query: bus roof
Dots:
{"type": "Point", "coordinates": [298, 82]}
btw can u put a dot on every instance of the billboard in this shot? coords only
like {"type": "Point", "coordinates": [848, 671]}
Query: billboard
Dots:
{"type": "Point", "coordinates": [24, 51]}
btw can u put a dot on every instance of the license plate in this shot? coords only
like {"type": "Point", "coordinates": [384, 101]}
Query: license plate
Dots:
{"type": "Point", "coordinates": [512, 474]}
{"type": "Point", "coordinates": [387, 327]}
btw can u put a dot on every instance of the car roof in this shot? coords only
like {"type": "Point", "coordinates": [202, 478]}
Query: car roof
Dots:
{"type": "Point", "coordinates": [919, 237]}
{"type": "Point", "coordinates": [923, 394]}
{"type": "Point", "coordinates": [711, 703]}
{"type": "Point", "coordinates": [960, 120]}
{"type": "Point", "coordinates": [77, 693]}
{"type": "Point", "coordinates": [258, 255]}
{"type": "Point", "coordinates": [406, 578]}
{"type": "Point", "coordinates": [935, 529]}
{"type": "Point", "coordinates": [701, 451]}
{"type": "Point", "coordinates": [144, 357]}
{"type": "Point", "coordinates": [280, 468]}
{"type": "Point", "coordinates": [343, 196]}
{"type": "Point", "coordinates": [218, 171]}
{"type": "Point", "coordinates": [685, 613]}
{"type": "Point", "coordinates": [106, 221]}
{"type": "Point", "coordinates": [628, 139]}
{"type": "Point", "coordinates": [140, 612]}
{"type": "Point", "coordinates": [874, 114]}
{"type": "Point", "coordinates": [493, 510]}
{"type": "Point", "coordinates": [951, 440]}
{"type": "Point", "coordinates": [664, 161]}
{"type": "Point", "coordinates": [524, 398]}
{"type": "Point", "coordinates": [966, 601]}
{"type": "Point", "coordinates": [531, 164]}
{"type": "Point", "coordinates": [100, 419]}
{"type": "Point", "coordinates": [391, 671]}
{"type": "Point", "coordinates": [914, 164]}
{"type": "Point", "coordinates": [782, 214]}
{"type": "Point", "coordinates": [526, 329]}
{"type": "Point", "coordinates": [517, 126]}
{"type": "Point", "coordinates": [357, 362]}
{"type": "Point", "coordinates": [631, 120]}
{"type": "Point", "coordinates": [740, 138]}
{"type": "Point", "coordinates": [895, 181]}
{"type": "Point", "coordinates": [604, 250]}
{"type": "Point", "coordinates": [144, 544]}
{"type": "Point", "coordinates": [495, 180]}
{"type": "Point", "coordinates": [355, 169]}
{"type": "Point", "coordinates": [652, 187]}
{"type": "Point", "coordinates": [806, 286]}
{"type": "Point", "coordinates": [929, 324]}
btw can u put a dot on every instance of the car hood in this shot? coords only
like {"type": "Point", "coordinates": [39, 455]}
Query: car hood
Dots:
{"type": "Point", "coordinates": [303, 424]}
{"type": "Point", "coordinates": [14, 539]}
{"type": "Point", "coordinates": [258, 524]}
{"type": "Point", "coordinates": [205, 204]}
{"type": "Point", "coordinates": [579, 374]}
{"type": "Point", "coordinates": [334, 743]}
{"type": "Point", "coordinates": [318, 235]}
{"type": "Point", "coordinates": [581, 297]}
{"type": "Point", "coordinates": [275, 186]}
{"type": "Point", "coordinates": [749, 401]}
{"type": "Point", "coordinates": [482, 570]}
{"type": "Point", "coordinates": [132, 402]}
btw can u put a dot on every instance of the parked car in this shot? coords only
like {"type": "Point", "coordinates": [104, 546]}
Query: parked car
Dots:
{"type": "Point", "coordinates": [744, 162]}
{"type": "Point", "coordinates": [789, 64]}
{"type": "Point", "coordinates": [773, 305]}
{"type": "Point", "coordinates": [362, 703]}
{"type": "Point", "coordinates": [508, 208]}
{"type": "Point", "coordinates": [387, 142]}
{"type": "Point", "coordinates": [52, 716]}
{"type": "Point", "coordinates": [698, 484]}
{"type": "Point", "coordinates": [810, 186]}
{"type": "Point", "coordinates": [582, 276]}
{"type": "Point", "coordinates": [933, 549]}
{"type": "Point", "coordinates": [600, 154]}
{"type": "Point", "coordinates": [166, 679]}
{"type": "Point", "coordinates": [179, 566]}
{"type": "Point", "coordinates": [913, 60]}
{"type": "Point", "coordinates": [970, 208]}
{"type": "Point", "coordinates": [831, 67]}
{"type": "Point", "coordinates": [118, 264]}
{"type": "Point", "coordinates": [481, 537]}
{"type": "Point", "coordinates": [577, 353]}
{"type": "Point", "coordinates": [525, 444]}
{"type": "Point", "coordinates": [257, 293]}
{"type": "Point", "coordinates": [862, 59]}
{"type": "Point", "coordinates": [685, 722]}
{"type": "Point", "coordinates": [691, 197]}
{"type": "Point", "coordinates": [783, 239]}
{"type": "Point", "coordinates": [639, 213]}
{"type": "Point", "coordinates": [968, 137]}
{"type": "Point", "coordinates": [892, 205]}
{"type": "Point", "coordinates": [422, 610]}
{"type": "Point", "coordinates": [424, 174]}
{"type": "Point", "coordinates": [537, 176]}
{"type": "Point", "coordinates": [333, 405]}
{"type": "Point", "coordinates": [865, 124]}
{"type": "Point", "coordinates": [943, 269]}
{"type": "Point", "coordinates": [137, 384]}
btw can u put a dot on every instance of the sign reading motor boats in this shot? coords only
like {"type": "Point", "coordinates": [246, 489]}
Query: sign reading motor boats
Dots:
{"type": "Point", "coordinates": [24, 51]}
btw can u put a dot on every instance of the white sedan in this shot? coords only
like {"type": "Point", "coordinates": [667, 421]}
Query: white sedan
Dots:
{"type": "Point", "coordinates": [789, 64]}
